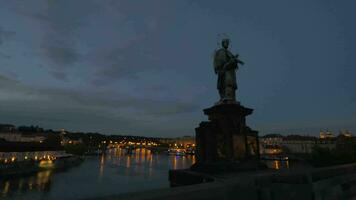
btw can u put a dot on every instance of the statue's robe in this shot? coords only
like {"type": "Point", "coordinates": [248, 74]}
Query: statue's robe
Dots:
{"type": "Point", "coordinates": [225, 65]}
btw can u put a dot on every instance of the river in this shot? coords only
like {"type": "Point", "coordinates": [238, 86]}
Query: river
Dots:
{"type": "Point", "coordinates": [113, 173]}
{"type": "Point", "coordinates": [109, 174]}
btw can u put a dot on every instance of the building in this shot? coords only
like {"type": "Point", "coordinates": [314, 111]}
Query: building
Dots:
{"type": "Point", "coordinates": [271, 149]}
{"type": "Point", "coordinates": [7, 128]}
{"type": "Point", "coordinates": [69, 138]}
{"type": "Point", "coordinates": [329, 143]}
{"type": "Point", "coordinates": [295, 144]}
{"type": "Point", "coordinates": [10, 133]}
{"type": "Point", "coordinates": [184, 142]}
{"type": "Point", "coordinates": [20, 151]}
{"type": "Point", "coordinates": [20, 137]}
{"type": "Point", "coordinates": [345, 133]}
{"type": "Point", "coordinates": [326, 134]}
{"type": "Point", "coordinates": [6, 157]}
{"type": "Point", "coordinates": [299, 144]}
{"type": "Point", "coordinates": [271, 144]}
{"type": "Point", "coordinates": [271, 139]}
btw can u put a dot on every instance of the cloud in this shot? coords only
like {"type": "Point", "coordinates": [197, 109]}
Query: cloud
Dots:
{"type": "Point", "coordinates": [122, 62]}
{"type": "Point", "coordinates": [59, 23]}
{"type": "Point", "coordinates": [61, 56]}
{"type": "Point", "coordinates": [3, 55]}
{"type": "Point", "coordinates": [110, 100]}
{"type": "Point", "coordinates": [59, 75]}
{"type": "Point", "coordinates": [105, 111]}
{"type": "Point", "coordinates": [5, 82]}
{"type": "Point", "coordinates": [111, 40]}
{"type": "Point", "coordinates": [5, 34]}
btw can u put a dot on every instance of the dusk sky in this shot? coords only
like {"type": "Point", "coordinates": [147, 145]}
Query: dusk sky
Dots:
{"type": "Point", "coordinates": [145, 67]}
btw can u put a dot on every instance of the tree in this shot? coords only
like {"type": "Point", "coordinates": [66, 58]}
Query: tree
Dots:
{"type": "Point", "coordinates": [52, 140]}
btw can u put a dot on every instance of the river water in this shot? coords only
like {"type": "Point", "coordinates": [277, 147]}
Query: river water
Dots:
{"type": "Point", "coordinates": [116, 172]}
{"type": "Point", "coordinates": [113, 173]}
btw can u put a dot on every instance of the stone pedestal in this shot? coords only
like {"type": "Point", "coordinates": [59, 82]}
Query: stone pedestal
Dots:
{"type": "Point", "coordinates": [225, 142]}
{"type": "Point", "coordinates": [225, 145]}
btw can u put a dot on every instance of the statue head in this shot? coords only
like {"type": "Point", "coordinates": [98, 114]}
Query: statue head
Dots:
{"type": "Point", "coordinates": [225, 43]}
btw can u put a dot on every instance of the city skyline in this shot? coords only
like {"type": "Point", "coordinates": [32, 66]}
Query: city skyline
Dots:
{"type": "Point", "coordinates": [119, 68]}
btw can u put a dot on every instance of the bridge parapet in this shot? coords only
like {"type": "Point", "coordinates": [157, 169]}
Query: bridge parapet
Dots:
{"type": "Point", "coordinates": [338, 182]}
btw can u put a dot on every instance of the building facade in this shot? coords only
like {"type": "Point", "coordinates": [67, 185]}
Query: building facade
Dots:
{"type": "Point", "coordinates": [298, 144]}
{"type": "Point", "coordinates": [19, 137]}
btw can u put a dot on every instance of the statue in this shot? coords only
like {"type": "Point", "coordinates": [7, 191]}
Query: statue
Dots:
{"type": "Point", "coordinates": [225, 65]}
{"type": "Point", "coordinates": [224, 143]}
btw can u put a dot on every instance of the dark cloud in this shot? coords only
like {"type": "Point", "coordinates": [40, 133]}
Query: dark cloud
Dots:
{"type": "Point", "coordinates": [7, 83]}
{"type": "Point", "coordinates": [59, 22]}
{"type": "Point", "coordinates": [74, 118]}
{"type": "Point", "coordinates": [74, 108]}
{"type": "Point", "coordinates": [3, 55]}
{"type": "Point", "coordinates": [126, 62]}
{"type": "Point", "coordinates": [4, 80]}
{"type": "Point", "coordinates": [5, 34]}
{"type": "Point", "coordinates": [59, 75]}
{"type": "Point", "coordinates": [61, 55]}
{"type": "Point", "coordinates": [129, 52]}
{"type": "Point", "coordinates": [111, 101]}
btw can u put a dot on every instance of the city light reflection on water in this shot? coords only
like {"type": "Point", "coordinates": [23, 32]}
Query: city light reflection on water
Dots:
{"type": "Point", "coordinates": [40, 182]}
{"type": "Point", "coordinates": [113, 173]}
{"type": "Point", "coordinates": [277, 164]}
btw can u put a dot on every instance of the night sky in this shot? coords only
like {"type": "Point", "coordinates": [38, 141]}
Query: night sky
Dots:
{"type": "Point", "coordinates": [145, 67]}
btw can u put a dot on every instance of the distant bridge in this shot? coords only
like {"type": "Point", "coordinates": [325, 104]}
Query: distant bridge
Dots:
{"type": "Point", "coordinates": [131, 147]}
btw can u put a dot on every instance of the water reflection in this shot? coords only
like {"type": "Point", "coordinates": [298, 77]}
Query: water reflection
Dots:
{"type": "Point", "coordinates": [117, 171]}
{"type": "Point", "coordinates": [277, 164]}
{"type": "Point", "coordinates": [40, 182]}
{"type": "Point", "coordinates": [102, 163]}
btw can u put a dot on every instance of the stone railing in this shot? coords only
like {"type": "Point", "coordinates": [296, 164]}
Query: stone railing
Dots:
{"type": "Point", "coordinates": [337, 182]}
